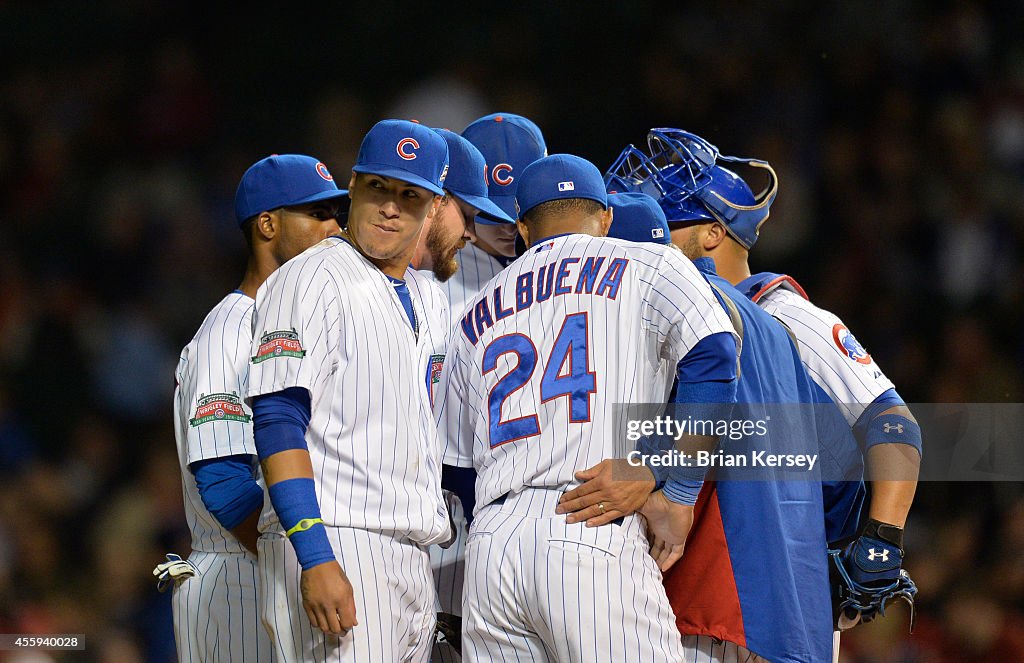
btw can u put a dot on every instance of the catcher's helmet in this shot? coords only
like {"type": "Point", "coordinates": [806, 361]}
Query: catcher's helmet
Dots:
{"type": "Point", "coordinates": [682, 172]}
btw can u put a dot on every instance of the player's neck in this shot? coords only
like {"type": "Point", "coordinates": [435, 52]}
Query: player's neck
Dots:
{"type": "Point", "coordinates": [256, 272]}
{"type": "Point", "coordinates": [394, 267]}
{"type": "Point", "coordinates": [732, 268]}
{"type": "Point", "coordinates": [570, 225]}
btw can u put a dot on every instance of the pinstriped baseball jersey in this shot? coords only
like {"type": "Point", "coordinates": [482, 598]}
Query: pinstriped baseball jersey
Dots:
{"type": "Point", "coordinates": [330, 321]}
{"type": "Point", "coordinates": [830, 353]}
{"type": "Point", "coordinates": [211, 420]}
{"type": "Point", "coordinates": [215, 613]}
{"type": "Point", "coordinates": [476, 268]}
{"type": "Point", "coordinates": [571, 328]}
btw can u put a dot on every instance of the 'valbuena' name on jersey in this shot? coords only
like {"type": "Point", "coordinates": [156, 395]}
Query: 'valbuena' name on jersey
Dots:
{"type": "Point", "coordinates": [591, 277]}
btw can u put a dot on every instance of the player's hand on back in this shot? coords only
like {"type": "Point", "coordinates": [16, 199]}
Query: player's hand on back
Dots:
{"type": "Point", "coordinates": [668, 524]}
{"type": "Point", "coordinates": [612, 489]}
{"type": "Point", "coordinates": [328, 598]}
{"type": "Point", "coordinates": [664, 554]}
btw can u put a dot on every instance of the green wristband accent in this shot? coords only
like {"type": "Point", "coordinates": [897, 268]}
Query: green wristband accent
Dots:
{"type": "Point", "coordinates": [303, 525]}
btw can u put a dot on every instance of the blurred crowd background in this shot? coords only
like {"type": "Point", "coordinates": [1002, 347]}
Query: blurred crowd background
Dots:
{"type": "Point", "coordinates": [897, 131]}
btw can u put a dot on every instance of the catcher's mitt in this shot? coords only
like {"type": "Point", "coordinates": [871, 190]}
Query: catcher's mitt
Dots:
{"type": "Point", "coordinates": [866, 576]}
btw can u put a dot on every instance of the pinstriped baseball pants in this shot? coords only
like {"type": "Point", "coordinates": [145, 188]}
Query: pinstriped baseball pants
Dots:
{"type": "Point", "coordinates": [394, 596]}
{"type": "Point", "coordinates": [538, 589]}
{"type": "Point", "coordinates": [216, 617]}
{"type": "Point", "coordinates": [705, 649]}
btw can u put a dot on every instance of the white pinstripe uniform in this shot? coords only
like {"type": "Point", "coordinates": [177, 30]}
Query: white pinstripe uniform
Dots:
{"type": "Point", "coordinates": [575, 326]}
{"type": "Point", "coordinates": [331, 322]}
{"type": "Point", "coordinates": [705, 649]}
{"type": "Point", "coordinates": [216, 617]}
{"type": "Point", "coordinates": [476, 268]}
{"type": "Point", "coordinates": [852, 379]}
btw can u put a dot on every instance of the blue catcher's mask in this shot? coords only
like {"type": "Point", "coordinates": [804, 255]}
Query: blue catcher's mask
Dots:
{"type": "Point", "coordinates": [681, 171]}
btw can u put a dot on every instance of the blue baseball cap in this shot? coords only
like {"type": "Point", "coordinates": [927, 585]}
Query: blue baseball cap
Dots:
{"type": "Point", "coordinates": [558, 177]}
{"type": "Point", "coordinates": [467, 177]}
{"type": "Point", "coordinates": [406, 151]}
{"type": "Point", "coordinates": [283, 180]}
{"type": "Point", "coordinates": [509, 144]}
{"type": "Point", "coordinates": [638, 218]}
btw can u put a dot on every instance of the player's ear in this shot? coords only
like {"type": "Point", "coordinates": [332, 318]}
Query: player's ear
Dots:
{"type": "Point", "coordinates": [351, 183]}
{"type": "Point", "coordinates": [266, 225]}
{"type": "Point", "coordinates": [714, 235]}
{"type": "Point", "coordinates": [606, 221]}
{"type": "Point", "coordinates": [436, 205]}
{"type": "Point", "coordinates": [524, 232]}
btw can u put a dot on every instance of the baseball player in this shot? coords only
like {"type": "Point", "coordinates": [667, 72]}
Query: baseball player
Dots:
{"type": "Point", "coordinates": [572, 327]}
{"type": "Point", "coordinates": [343, 342]}
{"type": "Point", "coordinates": [284, 204]}
{"type": "Point", "coordinates": [509, 143]}
{"type": "Point", "coordinates": [714, 213]}
{"type": "Point", "coordinates": [752, 584]}
{"type": "Point", "coordinates": [465, 197]}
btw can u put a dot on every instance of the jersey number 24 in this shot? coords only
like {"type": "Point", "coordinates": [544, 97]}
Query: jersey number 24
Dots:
{"type": "Point", "coordinates": [566, 373]}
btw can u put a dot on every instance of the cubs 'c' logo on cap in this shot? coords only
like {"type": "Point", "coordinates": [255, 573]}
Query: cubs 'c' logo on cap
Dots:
{"type": "Point", "coordinates": [502, 174]}
{"type": "Point", "coordinates": [849, 345]}
{"type": "Point", "coordinates": [407, 143]}
{"type": "Point", "coordinates": [322, 171]}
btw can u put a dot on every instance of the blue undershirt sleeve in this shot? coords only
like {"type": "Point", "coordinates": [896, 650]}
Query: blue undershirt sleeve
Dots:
{"type": "Point", "coordinates": [279, 421]}
{"type": "Point", "coordinates": [228, 488]}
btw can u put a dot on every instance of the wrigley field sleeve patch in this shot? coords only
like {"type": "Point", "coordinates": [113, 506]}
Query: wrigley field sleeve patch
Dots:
{"type": "Point", "coordinates": [219, 407]}
{"type": "Point", "coordinates": [436, 364]}
{"type": "Point", "coordinates": [281, 343]}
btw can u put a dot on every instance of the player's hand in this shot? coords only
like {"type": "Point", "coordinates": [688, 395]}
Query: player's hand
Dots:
{"type": "Point", "coordinates": [665, 554]}
{"type": "Point", "coordinates": [620, 487]}
{"type": "Point", "coordinates": [668, 525]}
{"type": "Point", "coordinates": [328, 598]}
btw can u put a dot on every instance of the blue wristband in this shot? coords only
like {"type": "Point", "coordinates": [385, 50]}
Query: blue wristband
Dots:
{"type": "Point", "coordinates": [682, 492]}
{"type": "Point", "coordinates": [295, 501]}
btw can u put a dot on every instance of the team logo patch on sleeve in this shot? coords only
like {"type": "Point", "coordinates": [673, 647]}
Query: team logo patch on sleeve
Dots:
{"type": "Point", "coordinates": [436, 364]}
{"type": "Point", "coordinates": [281, 343]}
{"type": "Point", "coordinates": [219, 407]}
{"type": "Point", "coordinates": [849, 345]}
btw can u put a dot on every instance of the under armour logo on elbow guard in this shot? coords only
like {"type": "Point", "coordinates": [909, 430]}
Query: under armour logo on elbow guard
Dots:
{"type": "Point", "coordinates": [873, 554]}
